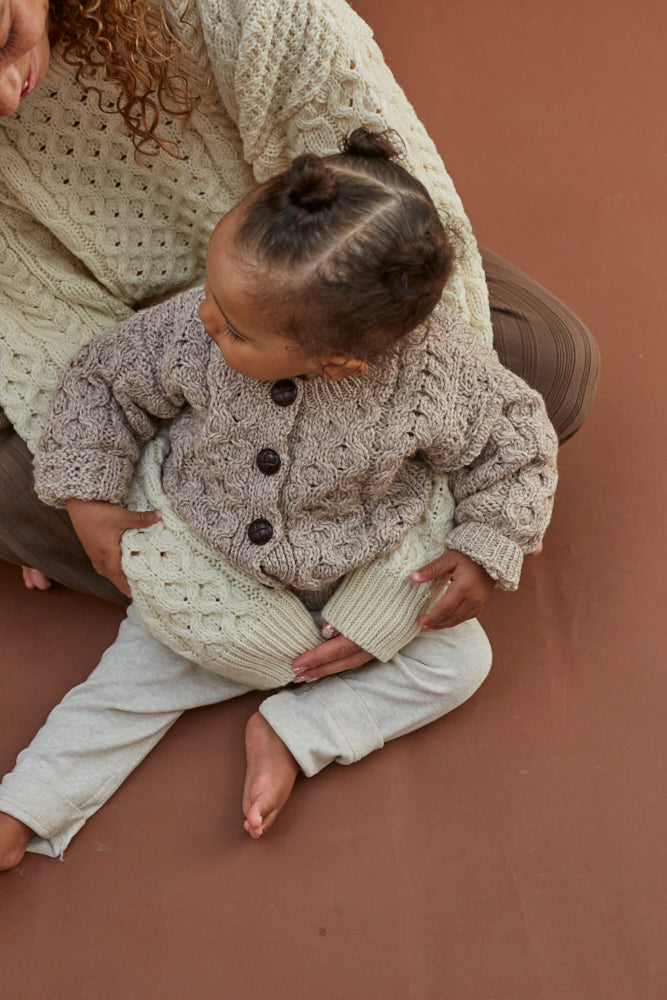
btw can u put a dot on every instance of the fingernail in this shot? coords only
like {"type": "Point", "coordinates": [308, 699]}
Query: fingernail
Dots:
{"type": "Point", "coordinates": [299, 679]}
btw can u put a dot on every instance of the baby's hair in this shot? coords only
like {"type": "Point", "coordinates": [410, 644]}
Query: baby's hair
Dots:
{"type": "Point", "coordinates": [365, 253]}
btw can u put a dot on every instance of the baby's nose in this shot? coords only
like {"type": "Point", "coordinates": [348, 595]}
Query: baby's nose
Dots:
{"type": "Point", "coordinates": [11, 85]}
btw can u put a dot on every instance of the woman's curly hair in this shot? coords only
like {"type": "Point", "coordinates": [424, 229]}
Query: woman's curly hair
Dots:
{"type": "Point", "coordinates": [131, 42]}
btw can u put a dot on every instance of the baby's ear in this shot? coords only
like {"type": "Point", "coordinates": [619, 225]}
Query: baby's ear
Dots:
{"type": "Point", "coordinates": [339, 366]}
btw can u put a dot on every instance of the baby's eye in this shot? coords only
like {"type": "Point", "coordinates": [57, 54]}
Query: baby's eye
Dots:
{"type": "Point", "coordinates": [232, 334]}
{"type": "Point", "coordinates": [6, 49]}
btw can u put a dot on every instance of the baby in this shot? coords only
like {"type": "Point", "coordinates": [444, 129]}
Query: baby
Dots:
{"type": "Point", "coordinates": [310, 410]}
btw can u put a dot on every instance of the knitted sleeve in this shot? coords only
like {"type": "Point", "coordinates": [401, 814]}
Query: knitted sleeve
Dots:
{"type": "Point", "coordinates": [486, 429]}
{"type": "Point", "coordinates": [46, 291]}
{"type": "Point", "coordinates": [107, 405]}
{"type": "Point", "coordinates": [506, 477]}
{"type": "Point", "coordinates": [297, 75]}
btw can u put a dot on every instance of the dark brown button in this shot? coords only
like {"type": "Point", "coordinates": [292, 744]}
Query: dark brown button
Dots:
{"type": "Point", "coordinates": [260, 531]}
{"type": "Point", "coordinates": [268, 461]}
{"type": "Point", "coordinates": [283, 392]}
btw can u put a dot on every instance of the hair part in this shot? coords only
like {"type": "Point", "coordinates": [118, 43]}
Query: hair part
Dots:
{"type": "Point", "coordinates": [132, 44]}
{"type": "Point", "coordinates": [362, 253]}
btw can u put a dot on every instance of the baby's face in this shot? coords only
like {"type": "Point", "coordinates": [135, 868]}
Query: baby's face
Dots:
{"type": "Point", "coordinates": [238, 315]}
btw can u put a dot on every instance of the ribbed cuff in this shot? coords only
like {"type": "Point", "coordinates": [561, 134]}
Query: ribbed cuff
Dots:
{"type": "Point", "coordinates": [498, 555]}
{"type": "Point", "coordinates": [381, 620]}
{"type": "Point", "coordinates": [86, 475]}
{"type": "Point", "coordinates": [53, 819]}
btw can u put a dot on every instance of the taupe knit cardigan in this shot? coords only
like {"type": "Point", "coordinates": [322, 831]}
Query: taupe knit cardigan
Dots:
{"type": "Point", "coordinates": [357, 457]}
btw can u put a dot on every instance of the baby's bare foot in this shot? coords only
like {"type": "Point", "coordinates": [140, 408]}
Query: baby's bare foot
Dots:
{"type": "Point", "coordinates": [34, 579]}
{"type": "Point", "coordinates": [14, 837]}
{"type": "Point", "coordinates": [270, 775]}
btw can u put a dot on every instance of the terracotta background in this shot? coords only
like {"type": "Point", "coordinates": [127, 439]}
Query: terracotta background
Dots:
{"type": "Point", "coordinates": [515, 850]}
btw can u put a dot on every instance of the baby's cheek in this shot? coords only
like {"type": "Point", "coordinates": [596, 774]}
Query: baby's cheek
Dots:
{"type": "Point", "coordinates": [208, 318]}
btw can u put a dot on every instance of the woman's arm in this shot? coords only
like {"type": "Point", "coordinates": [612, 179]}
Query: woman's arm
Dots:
{"type": "Point", "coordinates": [49, 306]}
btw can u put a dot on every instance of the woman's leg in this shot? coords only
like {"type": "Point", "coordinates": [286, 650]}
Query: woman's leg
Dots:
{"type": "Point", "coordinates": [33, 534]}
{"type": "Point", "coordinates": [346, 716]}
{"type": "Point", "coordinates": [100, 732]}
{"type": "Point", "coordinates": [539, 339]}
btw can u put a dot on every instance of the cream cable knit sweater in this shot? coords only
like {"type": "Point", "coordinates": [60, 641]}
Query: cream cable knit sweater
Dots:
{"type": "Point", "coordinates": [88, 233]}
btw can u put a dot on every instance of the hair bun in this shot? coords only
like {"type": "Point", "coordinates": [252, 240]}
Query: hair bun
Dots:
{"type": "Point", "coordinates": [419, 267]}
{"type": "Point", "coordinates": [363, 142]}
{"type": "Point", "coordinates": [310, 183]}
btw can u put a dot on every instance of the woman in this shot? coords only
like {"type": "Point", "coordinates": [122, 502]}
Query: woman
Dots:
{"type": "Point", "coordinates": [129, 128]}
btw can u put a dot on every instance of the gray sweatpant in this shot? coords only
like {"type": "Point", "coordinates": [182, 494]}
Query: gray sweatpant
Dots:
{"type": "Point", "coordinates": [104, 727]}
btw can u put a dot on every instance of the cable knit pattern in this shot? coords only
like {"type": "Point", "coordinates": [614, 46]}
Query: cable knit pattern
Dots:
{"type": "Point", "coordinates": [89, 233]}
{"type": "Point", "coordinates": [224, 622]}
{"type": "Point", "coordinates": [348, 489]}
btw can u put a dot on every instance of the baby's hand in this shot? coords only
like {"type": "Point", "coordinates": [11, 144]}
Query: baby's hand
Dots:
{"type": "Point", "coordinates": [331, 657]}
{"type": "Point", "coordinates": [99, 526]}
{"type": "Point", "coordinates": [466, 596]}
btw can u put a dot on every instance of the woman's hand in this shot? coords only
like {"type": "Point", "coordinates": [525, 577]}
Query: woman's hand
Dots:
{"type": "Point", "coordinates": [331, 657]}
{"type": "Point", "coordinates": [99, 526]}
{"type": "Point", "coordinates": [469, 589]}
